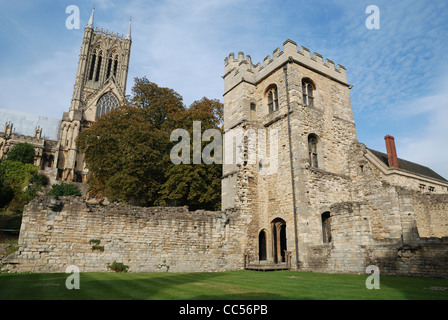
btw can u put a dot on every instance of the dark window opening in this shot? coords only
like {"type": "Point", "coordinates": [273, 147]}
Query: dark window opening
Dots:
{"type": "Point", "coordinates": [109, 67]}
{"type": "Point", "coordinates": [326, 227]}
{"type": "Point", "coordinates": [115, 66]}
{"type": "Point", "coordinates": [262, 253]}
{"type": "Point", "coordinates": [92, 67]}
{"type": "Point", "coordinates": [98, 67]}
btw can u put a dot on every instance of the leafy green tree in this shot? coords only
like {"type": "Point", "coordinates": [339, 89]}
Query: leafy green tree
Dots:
{"type": "Point", "coordinates": [17, 174]}
{"type": "Point", "coordinates": [18, 177]}
{"type": "Point", "coordinates": [196, 185]}
{"type": "Point", "coordinates": [22, 152]}
{"type": "Point", "coordinates": [6, 193]}
{"type": "Point", "coordinates": [127, 151]}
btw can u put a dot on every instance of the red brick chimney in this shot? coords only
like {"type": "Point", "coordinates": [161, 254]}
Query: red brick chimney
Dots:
{"type": "Point", "coordinates": [391, 151]}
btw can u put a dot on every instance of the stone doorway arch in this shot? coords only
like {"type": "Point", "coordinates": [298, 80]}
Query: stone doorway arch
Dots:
{"type": "Point", "coordinates": [279, 240]}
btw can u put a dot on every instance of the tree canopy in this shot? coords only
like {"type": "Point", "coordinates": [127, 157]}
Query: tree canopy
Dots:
{"type": "Point", "coordinates": [127, 151]}
{"type": "Point", "coordinates": [22, 152]}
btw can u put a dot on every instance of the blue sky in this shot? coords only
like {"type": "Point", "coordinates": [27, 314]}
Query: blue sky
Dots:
{"type": "Point", "coordinates": [399, 72]}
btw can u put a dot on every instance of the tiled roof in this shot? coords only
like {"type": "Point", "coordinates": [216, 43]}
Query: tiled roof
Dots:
{"type": "Point", "coordinates": [410, 166]}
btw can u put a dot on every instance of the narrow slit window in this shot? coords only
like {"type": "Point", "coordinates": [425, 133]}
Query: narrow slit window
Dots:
{"type": "Point", "coordinates": [115, 66]}
{"type": "Point", "coordinates": [98, 67]}
{"type": "Point", "coordinates": [312, 150]}
{"type": "Point", "coordinates": [326, 227]}
{"type": "Point", "coordinates": [92, 66]}
{"type": "Point", "coordinates": [109, 67]}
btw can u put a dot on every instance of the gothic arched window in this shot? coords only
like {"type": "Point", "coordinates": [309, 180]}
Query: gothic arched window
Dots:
{"type": "Point", "coordinates": [307, 92]}
{"type": "Point", "coordinates": [272, 94]}
{"type": "Point", "coordinates": [112, 62]}
{"type": "Point", "coordinates": [106, 103]}
{"type": "Point", "coordinates": [98, 67]}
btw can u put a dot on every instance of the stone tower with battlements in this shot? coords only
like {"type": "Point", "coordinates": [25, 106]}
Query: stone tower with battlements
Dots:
{"type": "Point", "coordinates": [312, 196]}
{"type": "Point", "coordinates": [100, 86]}
{"type": "Point", "coordinates": [295, 115]}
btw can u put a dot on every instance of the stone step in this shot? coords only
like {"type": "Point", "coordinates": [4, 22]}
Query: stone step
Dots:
{"type": "Point", "coordinates": [267, 267]}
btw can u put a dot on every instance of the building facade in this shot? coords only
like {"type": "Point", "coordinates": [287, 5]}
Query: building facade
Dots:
{"type": "Point", "coordinates": [317, 198]}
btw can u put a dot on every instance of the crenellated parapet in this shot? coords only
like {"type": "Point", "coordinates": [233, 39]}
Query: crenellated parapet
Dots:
{"type": "Point", "coordinates": [241, 68]}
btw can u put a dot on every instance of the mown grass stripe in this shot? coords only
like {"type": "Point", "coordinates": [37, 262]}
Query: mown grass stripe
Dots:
{"type": "Point", "coordinates": [241, 285]}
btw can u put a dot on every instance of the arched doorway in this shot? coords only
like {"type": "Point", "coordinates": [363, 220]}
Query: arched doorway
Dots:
{"type": "Point", "coordinates": [262, 253]}
{"type": "Point", "coordinates": [279, 240]}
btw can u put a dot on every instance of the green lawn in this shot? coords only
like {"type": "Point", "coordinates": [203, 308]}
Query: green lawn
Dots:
{"type": "Point", "coordinates": [240, 285]}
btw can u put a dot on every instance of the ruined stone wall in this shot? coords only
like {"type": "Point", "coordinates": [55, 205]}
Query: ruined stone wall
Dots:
{"type": "Point", "coordinates": [59, 233]}
{"type": "Point", "coordinates": [400, 231]}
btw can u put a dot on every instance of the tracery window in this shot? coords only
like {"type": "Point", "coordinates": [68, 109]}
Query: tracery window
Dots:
{"type": "Point", "coordinates": [112, 62]}
{"type": "Point", "coordinates": [307, 92]}
{"type": "Point", "coordinates": [106, 103]}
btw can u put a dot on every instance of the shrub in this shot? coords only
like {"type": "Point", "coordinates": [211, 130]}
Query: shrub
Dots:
{"type": "Point", "coordinates": [96, 245]}
{"type": "Point", "coordinates": [65, 189]}
{"type": "Point", "coordinates": [118, 267]}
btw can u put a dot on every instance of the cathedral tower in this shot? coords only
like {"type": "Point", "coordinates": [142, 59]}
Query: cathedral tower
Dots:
{"type": "Point", "coordinates": [100, 86]}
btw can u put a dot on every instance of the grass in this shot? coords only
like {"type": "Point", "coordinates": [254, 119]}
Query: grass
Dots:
{"type": "Point", "coordinates": [236, 285]}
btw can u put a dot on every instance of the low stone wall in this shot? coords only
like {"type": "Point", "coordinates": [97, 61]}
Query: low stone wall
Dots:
{"type": "Point", "coordinates": [400, 237]}
{"type": "Point", "coordinates": [56, 233]}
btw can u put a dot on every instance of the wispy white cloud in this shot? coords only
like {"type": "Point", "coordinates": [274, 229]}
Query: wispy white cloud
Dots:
{"type": "Point", "coordinates": [426, 143]}
{"type": "Point", "coordinates": [44, 87]}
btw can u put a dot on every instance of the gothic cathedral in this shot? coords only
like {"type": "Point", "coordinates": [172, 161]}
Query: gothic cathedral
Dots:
{"type": "Point", "coordinates": [100, 86]}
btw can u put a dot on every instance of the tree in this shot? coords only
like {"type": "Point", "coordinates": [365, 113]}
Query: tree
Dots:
{"type": "Point", "coordinates": [21, 179]}
{"type": "Point", "coordinates": [6, 193]}
{"type": "Point", "coordinates": [196, 185]}
{"type": "Point", "coordinates": [22, 152]}
{"type": "Point", "coordinates": [126, 150]}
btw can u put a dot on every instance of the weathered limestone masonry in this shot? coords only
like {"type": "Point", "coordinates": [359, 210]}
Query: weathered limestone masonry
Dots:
{"type": "Point", "coordinates": [56, 233]}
